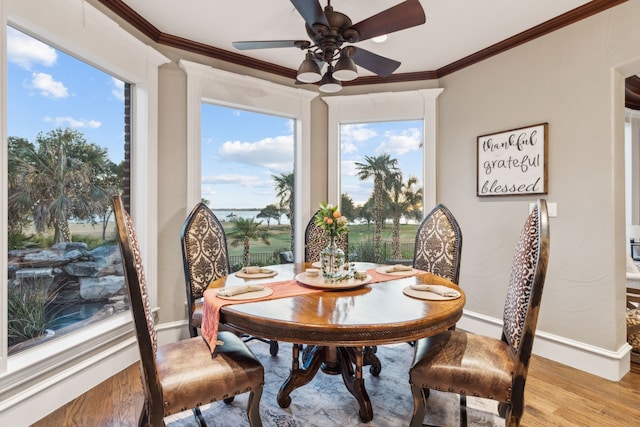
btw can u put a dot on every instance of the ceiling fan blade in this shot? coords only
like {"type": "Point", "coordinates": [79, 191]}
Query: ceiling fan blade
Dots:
{"type": "Point", "coordinates": [270, 44]}
{"type": "Point", "coordinates": [375, 63]}
{"type": "Point", "coordinates": [404, 15]}
{"type": "Point", "coordinates": [311, 12]}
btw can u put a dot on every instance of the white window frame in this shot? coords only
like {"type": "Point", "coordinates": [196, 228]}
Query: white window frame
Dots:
{"type": "Point", "coordinates": [83, 31]}
{"type": "Point", "coordinates": [384, 107]}
{"type": "Point", "coordinates": [210, 85]}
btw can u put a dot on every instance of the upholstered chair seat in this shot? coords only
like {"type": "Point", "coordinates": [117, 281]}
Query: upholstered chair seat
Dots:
{"type": "Point", "coordinates": [464, 363]}
{"type": "Point", "coordinates": [235, 371]}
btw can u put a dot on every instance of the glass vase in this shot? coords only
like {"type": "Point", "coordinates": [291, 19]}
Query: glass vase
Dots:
{"type": "Point", "coordinates": [332, 260]}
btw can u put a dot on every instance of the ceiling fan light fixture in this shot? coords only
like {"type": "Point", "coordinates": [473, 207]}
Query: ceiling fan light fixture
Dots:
{"type": "Point", "coordinates": [328, 84]}
{"type": "Point", "coordinates": [309, 71]}
{"type": "Point", "coordinates": [345, 69]}
{"type": "Point", "coordinates": [380, 39]}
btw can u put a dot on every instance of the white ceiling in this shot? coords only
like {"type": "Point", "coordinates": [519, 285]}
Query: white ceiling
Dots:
{"type": "Point", "coordinates": [454, 28]}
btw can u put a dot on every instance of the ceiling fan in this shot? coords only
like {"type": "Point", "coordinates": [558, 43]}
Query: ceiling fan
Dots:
{"type": "Point", "coordinates": [330, 30]}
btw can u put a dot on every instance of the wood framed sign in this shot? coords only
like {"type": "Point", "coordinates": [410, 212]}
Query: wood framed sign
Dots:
{"type": "Point", "coordinates": [513, 162]}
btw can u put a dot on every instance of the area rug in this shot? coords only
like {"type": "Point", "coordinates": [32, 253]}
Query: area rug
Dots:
{"type": "Point", "coordinates": [326, 402]}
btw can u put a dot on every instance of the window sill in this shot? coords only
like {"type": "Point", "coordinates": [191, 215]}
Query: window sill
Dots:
{"type": "Point", "coordinates": [66, 351]}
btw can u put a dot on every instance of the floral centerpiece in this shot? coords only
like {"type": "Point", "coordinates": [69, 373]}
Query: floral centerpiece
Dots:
{"type": "Point", "coordinates": [332, 258]}
{"type": "Point", "coordinates": [331, 221]}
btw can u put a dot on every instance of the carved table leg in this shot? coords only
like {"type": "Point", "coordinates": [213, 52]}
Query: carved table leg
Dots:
{"type": "Point", "coordinates": [300, 376]}
{"type": "Point", "coordinates": [354, 381]}
{"type": "Point", "coordinates": [369, 358]}
{"type": "Point", "coordinates": [372, 360]}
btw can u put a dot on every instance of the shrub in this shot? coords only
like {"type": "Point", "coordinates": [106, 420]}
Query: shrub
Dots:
{"type": "Point", "coordinates": [31, 310]}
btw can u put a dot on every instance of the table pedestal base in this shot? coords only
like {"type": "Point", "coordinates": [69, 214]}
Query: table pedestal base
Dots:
{"type": "Point", "coordinates": [347, 361]}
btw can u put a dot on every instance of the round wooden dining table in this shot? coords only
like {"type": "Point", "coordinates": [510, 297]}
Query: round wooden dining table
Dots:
{"type": "Point", "coordinates": [338, 328]}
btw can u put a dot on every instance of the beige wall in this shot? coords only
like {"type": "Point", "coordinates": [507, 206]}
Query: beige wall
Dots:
{"type": "Point", "coordinates": [565, 79]}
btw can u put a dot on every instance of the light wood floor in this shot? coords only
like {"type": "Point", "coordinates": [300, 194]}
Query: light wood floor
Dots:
{"type": "Point", "coordinates": [556, 395]}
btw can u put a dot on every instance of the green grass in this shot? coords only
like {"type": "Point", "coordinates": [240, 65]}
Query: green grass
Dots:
{"type": "Point", "coordinates": [280, 236]}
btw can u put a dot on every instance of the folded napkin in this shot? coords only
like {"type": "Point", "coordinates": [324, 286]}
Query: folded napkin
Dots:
{"type": "Point", "coordinates": [398, 267]}
{"type": "Point", "coordinates": [237, 290]}
{"type": "Point", "coordinates": [255, 270]}
{"type": "Point", "coordinates": [437, 289]}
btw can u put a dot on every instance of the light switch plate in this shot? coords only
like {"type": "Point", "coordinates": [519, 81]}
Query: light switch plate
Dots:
{"type": "Point", "coordinates": [552, 209]}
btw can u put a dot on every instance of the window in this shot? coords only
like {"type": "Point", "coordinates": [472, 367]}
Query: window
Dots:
{"type": "Point", "coordinates": [381, 188]}
{"type": "Point", "coordinates": [247, 180]}
{"type": "Point", "coordinates": [211, 86]}
{"type": "Point", "coordinates": [66, 142]}
{"type": "Point", "coordinates": [91, 354]}
{"type": "Point", "coordinates": [377, 107]}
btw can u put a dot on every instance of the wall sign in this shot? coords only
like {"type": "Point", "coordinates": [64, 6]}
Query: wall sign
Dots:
{"type": "Point", "coordinates": [513, 162]}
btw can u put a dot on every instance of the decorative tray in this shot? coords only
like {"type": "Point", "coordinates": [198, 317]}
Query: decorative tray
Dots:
{"type": "Point", "coordinates": [402, 273]}
{"type": "Point", "coordinates": [320, 283]}
{"type": "Point", "coordinates": [262, 275]}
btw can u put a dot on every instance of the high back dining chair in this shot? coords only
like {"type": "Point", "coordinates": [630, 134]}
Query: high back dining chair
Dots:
{"type": "Point", "coordinates": [183, 374]}
{"type": "Point", "coordinates": [205, 257]}
{"type": "Point", "coordinates": [439, 244]}
{"type": "Point", "coordinates": [315, 240]}
{"type": "Point", "coordinates": [469, 364]}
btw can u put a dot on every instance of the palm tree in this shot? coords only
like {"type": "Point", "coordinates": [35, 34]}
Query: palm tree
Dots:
{"type": "Point", "coordinates": [384, 171]}
{"type": "Point", "coordinates": [402, 200]}
{"type": "Point", "coordinates": [244, 230]}
{"type": "Point", "coordinates": [284, 191]}
{"type": "Point", "coordinates": [62, 176]}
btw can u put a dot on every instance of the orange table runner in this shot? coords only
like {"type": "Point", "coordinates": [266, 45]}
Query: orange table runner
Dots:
{"type": "Point", "coordinates": [283, 289]}
{"type": "Point", "coordinates": [213, 304]}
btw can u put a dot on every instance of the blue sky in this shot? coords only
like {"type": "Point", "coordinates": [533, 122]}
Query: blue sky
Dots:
{"type": "Point", "coordinates": [48, 89]}
{"type": "Point", "coordinates": [401, 140]}
{"type": "Point", "coordinates": [241, 150]}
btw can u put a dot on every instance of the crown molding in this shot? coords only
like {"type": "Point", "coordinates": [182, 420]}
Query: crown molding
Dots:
{"type": "Point", "coordinates": [137, 21]}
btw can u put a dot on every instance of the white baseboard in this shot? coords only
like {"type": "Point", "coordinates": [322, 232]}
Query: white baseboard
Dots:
{"type": "Point", "coordinates": [612, 365]}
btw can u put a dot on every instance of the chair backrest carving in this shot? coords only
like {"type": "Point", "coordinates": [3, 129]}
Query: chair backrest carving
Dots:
{"type": "Point", "coordinates": [204, 252]}
{"type": "Point", "coordinates": [439, 244]}
{"type": "Point", "coordinates": [315, 239]}
{"type": "Point", "coordinates": [140, 306]}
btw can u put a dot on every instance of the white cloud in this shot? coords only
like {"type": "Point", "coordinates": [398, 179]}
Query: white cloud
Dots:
{"type": "Point", "coordinates": [275, 154]}
{"type": "Point", "coordinates": [401, 143]}
{"type": "Point", "coordinates": [349, 168]}
{"type": "Point", "coordinates": [118, 89]}
{"type": "Point", "coordinates": [356, 133]}
{"type": "Point", "coordinates": [73, 123]}
{"type": "Point", "coordinates": [25, 51]}
{"type": "Point", "coordinates": [47, 86]}
{"type": "Point", "coordinates": [348, 148]}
